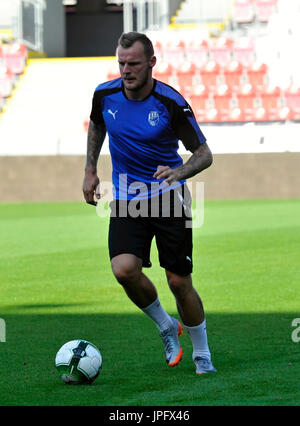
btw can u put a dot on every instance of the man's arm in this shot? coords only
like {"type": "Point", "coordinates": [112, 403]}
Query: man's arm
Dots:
{"type": "Point", "coordinates": [200, 160]}
{"type": "Point", "coordinates": [95, 139]}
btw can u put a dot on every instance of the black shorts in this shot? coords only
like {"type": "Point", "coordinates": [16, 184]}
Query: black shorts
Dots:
{"type": "Point", "coordinates": [134, 235]}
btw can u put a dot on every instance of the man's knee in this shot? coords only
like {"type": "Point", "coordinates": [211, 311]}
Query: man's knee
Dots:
{"type": "Point", "coordinates": [126, 268]}
{"type": "Point", "coordinates": [178, 284]}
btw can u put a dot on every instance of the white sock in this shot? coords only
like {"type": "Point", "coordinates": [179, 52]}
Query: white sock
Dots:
{"type": "Point", "coordinates": [199, 340]}
{"type": "Point", "coordinates": [156, 312]}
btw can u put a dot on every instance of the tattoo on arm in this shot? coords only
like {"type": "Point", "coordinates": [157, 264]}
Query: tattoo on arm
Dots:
{"type": "Point", "coordinates": [200, 160]}
{"type": "Point", "coordinates": [95, 139]}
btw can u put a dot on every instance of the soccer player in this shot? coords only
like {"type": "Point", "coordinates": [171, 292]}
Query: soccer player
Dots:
{"type": "Point", "coordinates": [145, 119]}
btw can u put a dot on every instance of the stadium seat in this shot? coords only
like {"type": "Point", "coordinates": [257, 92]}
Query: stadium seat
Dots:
{"type": "Point", "coordinates": [112, 75]}
{"type": "Point", "coordinates": [222, 101]}
{"type": "Point", "coordinates": [212, 115]}
{"type": "Point", "coordinates": [6, 82]}
{"type": "Point", "coordinates": [291, 98]}
{"type": "Point", "coordinates": [246, 100]}
{"type": "Point", "coordinates": [199, 101]}
{"type": "Point", "coordinates": [257, 74]}
{"type": "Point", "coordinates": [174, 52]}
{"type": "Point", "coordinates": [86, 123]}
{"type": "Point", "coordinates": [233, 73]}
{"type": "Point", "coordinates": [210, 74]}
{"type": "Point", "coordinates": [244, 50]}
{"type": "Point", "coordinates": [197, 52]}
{"type": "Point", "coordinates": [236, 115]}
{"type": "Point", "coordinates": [270, 99]}
{"type": "Point", "coordinates": [186, 74]}
{"type": "Point", "coordinates": [264, 9]}
{"type": "Point", "coordinates": [284, 113]}
{"type": "Point", "coordinates": [158, 49]}
{"type": "Point", "coordinates": [113, 72]}
{"type": "Point", "coordinates": [243, 11]}
{"type": "Point", "coordinates": [220, 50]}
{"type": "Point", "coordinates": [163, 72]}
{"type": "Point", "coordinates": [14, 56]}
{"type": "Point", "coordinates": [260, 114]}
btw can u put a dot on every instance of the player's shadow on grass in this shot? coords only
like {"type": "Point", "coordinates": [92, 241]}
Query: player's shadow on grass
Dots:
{"type": "Point", "coordinates": [39, 306]}
{"type": "Point", "coordinates": [254, 353]}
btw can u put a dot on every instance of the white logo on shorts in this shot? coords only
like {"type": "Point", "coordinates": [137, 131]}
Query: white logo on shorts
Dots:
{"type": "Point", "coordinates": [153, 118]}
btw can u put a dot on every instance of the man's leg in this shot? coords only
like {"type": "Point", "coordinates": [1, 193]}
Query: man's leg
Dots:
{"type": "Point", "coordinates": [127, 269]}
{"type": "Point", "coordinates": [190, 309]}
{"type": "Point", "coordinates": [188, 302]}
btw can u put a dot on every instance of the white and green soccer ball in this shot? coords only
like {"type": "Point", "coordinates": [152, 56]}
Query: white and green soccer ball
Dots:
{"type": "Point", "coordinates": [78, 362]}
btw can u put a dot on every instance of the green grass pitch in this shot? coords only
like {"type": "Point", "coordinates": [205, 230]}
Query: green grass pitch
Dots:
{"type": "Point", "coordinates": [56, 285]}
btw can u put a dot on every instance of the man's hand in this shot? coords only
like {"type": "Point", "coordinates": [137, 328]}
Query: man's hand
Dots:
{"type": "Point", "coordinates": [200, 160]}
{"type": "Point", "coordinates": [91, 188]}
{"type": "Point", "coordinates": [91, 183]}
{"type": "Point", "coordinates": [165, 172]}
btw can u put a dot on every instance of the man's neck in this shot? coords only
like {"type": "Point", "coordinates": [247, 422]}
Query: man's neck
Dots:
{"type": "Point", "coordinates": [141, 94]}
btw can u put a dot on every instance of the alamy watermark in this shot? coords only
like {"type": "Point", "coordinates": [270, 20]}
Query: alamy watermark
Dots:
{"type": "Point", "coordinates": [296, 332]}
{"type": "Point", "coordinates": [2, 330]}
{"type": "Point", "coordinates": [153, 200]}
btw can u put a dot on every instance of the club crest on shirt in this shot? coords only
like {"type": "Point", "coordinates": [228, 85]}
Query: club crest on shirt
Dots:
{"type": "Point", "coordinates": [153, 118]}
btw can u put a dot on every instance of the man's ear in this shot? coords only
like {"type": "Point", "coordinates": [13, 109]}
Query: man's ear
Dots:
{"type": "Point", "coordinates": [152, 61]}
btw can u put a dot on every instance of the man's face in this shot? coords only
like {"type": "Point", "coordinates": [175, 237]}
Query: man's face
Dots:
{"type": "Point", "coordinates": [135, 68]}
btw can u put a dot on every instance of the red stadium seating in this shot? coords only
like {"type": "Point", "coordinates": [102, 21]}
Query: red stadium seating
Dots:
{"type": "Point", "coordinates": [246, 100]}
{"type": "Point", "coordinates": [197, 52]}
{"type": "Point", "coordinates": [233, 73]}
{"type": "Point", "coordinates": [210, 74]}
{"type": "Point", "coordinates": [260, 114]}
{"type": "Point", "coordinates": [158, 49]}
{"type": "Point", "coordinates": [222, 81]}
{"type": "Point", "coordinates": [270, 100]}
{"type": "Point", "coordinates": [257, 74]}
{"type": "Point", "coordinates": [6, 82]}
{"type": "Point", "coordinates": [243, 11]}
{"type": "Point", "coordinates": [291, 98]}
{"type": "Point", "coordinates": [222, 101]}
{"type": "Point", "coordinates": [174, 52]}
{"type": "Point", "coordinates": [284, 114]}
{"type": "Point", "coordinates": [14, 56]}
{"type": "Point", "coordinates": [86, 124]}
{"type": "Point", "coordinates": [244, 50]}
{"type": "Point", "coordinates": [220, 50]}
{"type": "Point", "coordinates": [163, 72]}
{"type": "Point", "coordinates": [235, 115]}
{"type": "Point", "coordinates": [264, 9]}
{"type": "Point", "coordinates": [199, 100]}
{"type": "Point", "coordinates": [186, 74]}
{"type": "Point", "coordinates": [212, 115]}
{"type": "Point", "coordinates": [113, 74]}
{"type": "Point", "coordinates": [280, 114]}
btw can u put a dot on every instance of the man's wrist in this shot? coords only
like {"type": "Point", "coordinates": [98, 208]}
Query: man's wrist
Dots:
{"type": "Point", "coordinates": [90, 170]}
{"type": "Point", "coordinates": [179, 173]}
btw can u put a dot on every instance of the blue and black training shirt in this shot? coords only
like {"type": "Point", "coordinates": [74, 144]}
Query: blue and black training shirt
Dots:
{"type": "Point", "coordinates": [143, 134]}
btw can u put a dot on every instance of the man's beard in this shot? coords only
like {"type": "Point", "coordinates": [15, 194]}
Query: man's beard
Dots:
{"type": "Point", "coordinates": [139, 86]}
